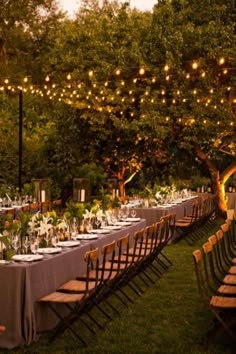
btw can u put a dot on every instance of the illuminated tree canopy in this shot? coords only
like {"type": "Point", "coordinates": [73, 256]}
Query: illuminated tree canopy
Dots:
{"type": "Point", "coordinates": [139, 85]}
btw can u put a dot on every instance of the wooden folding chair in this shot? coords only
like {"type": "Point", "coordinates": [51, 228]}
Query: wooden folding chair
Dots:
{"type": "Point", "coordinates": [76, 298]}
{"type": "Point", "coordinates": [26, 208]}
{"type": "Point", "coordinates": [186, 225]}
{"type": "Point", "coordinates": [34, 208]}
{"type": "Point", "coordinates": [222, 307]}
{"type": "Point", "coordinates": [134, 257]}
{"type": "Point", "coordinates": [44, 207]}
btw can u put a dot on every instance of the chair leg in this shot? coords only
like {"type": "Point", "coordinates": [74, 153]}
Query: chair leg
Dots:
{"type": "Point", "coordinates": [65, 323]}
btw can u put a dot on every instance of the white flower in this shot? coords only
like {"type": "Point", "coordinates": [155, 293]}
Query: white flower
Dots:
{"type": "Point", "coordinates": [44, 225]}
{"type": "Point", "coordinates": [33, 224]}
{"type": "Point", "coordinates": [99, 214]}
{"type": "Point", "coordinates": [158, 195]}
{"type": "Point", "coordinates": [62, 225]}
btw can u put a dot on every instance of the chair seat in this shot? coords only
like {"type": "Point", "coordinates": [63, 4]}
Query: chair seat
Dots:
{"type": "Point", "coordinates": [223, 302]}
{"type": "Point", "coordinates": [227, 289]}
{"type": "Point", "coordinates": [60, 297]}
{"type": "Point", "coordinates": [104, 275]}
{"type": "Point", "coordinates": [77, 286]}
{"type": "Point", "coordinates": [232, 270]}
{"type": "Point", "coordinates": [230, 279]}
{"type": "Point", "coordinates": [183, 224]}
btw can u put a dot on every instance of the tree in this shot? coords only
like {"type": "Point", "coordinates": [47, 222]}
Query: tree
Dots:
{"type": "Point", "coordinates": [194, 41]}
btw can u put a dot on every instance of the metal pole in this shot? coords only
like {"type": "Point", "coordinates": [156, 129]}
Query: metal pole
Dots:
{"type": "Point", "coordinates": [20, 138]}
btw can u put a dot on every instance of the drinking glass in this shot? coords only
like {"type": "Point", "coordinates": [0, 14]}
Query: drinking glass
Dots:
{"type": "Point", "coordinates": [26, 244]}
{"type": "Point", "coordinates": [98, 222]}
{"type": "Point", "coordinates": [47, 238]}
{"type": "Point", "coordinates": [15, 243]}
{"type": "Point", "coordinates": [89, 227]}
{"type": "Point", "coordinates": [34, 245]}
{"type": "Point", "coordinates": [55, 240]}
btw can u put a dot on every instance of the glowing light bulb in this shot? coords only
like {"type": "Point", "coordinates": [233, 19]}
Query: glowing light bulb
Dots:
{"type": "Point", "coordinates": [166, 67]}
{"type": "Point", "coordinates": [221, 61]}
{"type": "Point", "coordinates": [141, 71]}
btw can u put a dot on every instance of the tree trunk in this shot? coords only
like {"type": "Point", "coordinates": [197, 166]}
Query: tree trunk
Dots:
{"type": "Point", "coordinates": [218, 179]}
{"type": "Point", "coordinates": [121, 184]}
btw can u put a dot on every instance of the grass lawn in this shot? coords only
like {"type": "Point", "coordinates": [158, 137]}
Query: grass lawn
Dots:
{"type": "Point", "coordinates": [168, 318]}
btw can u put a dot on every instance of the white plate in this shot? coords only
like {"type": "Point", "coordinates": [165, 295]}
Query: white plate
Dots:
{"type": "Point", "coordinates": [4, 262]}
{"type": "Point", "coordinates": [27, 257]}
{"type": "Point", "coordinates": [68, 243]}
{"type": "Point", "coordinates": [111, 227]}
{"type": "Point", "coordinates": [124, 223]}
{"type": "Point", "coordinates": [100, 231]}
{"type": "Point", "coordinates": [49, 250]}
{"type": "Point", "coordinates": [86, 237]}
{"type": "Point", "coordinates": [133, 219]}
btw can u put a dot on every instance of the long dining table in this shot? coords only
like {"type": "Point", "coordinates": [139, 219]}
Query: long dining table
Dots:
{"type": "Point", "coordinates": [153, 214]}
{"type": "Point", "coordinates": [23, 283]}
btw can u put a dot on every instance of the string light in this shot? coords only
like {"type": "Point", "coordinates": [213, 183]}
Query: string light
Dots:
{"type": "Point", "coordinates": [141, 71]}
{"type": "Point", "coordinates": [166, 67]}
{"type": "Point", "coordinates": [221, 61]}
{"type": "Point", "coordinates": [194, 65]}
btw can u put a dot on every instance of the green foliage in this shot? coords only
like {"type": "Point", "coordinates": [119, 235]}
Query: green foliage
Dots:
{"type": "Point", "coordinates": [23, 228]}
{"type": "Point", "coordinates": [98, 125]}
{"type": "Point", "coordinates": [74, 210]}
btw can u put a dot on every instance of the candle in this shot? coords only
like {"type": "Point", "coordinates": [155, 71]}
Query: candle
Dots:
{"type": "Point", "coordinates": [113, 194]}
{"type": "Point", "coordinates": [43, 196]}
{"type": "Point", "coordinates": [82, 195]}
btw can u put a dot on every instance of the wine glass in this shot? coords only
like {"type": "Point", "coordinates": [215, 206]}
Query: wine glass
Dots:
{"type": "Point", "coordinates": [34, 245]}
{"type": "Point", "coordinates": [133, 213]}
{"type": "Point", "coordinates": [55, 240]}
{"type": "Point", "coordinates": [113, 219]}
{"type": "Point", "coordinates": [47, 238]}
{"type": "Point", "coordinates": [15, 243]}
{"type": "Point", "coordinates": [98, 222]}
{"type": "Point", "coordinates": [89, 227]}
{"type": "Point", "coordinates": [26, 244]}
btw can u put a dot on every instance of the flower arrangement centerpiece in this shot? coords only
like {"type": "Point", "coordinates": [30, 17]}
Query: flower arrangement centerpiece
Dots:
{"type": "Point", "coordinates": [8, 228]}
{"type": "Point", "coordinates": [93, 215]}
{"type": "Point", "coordinates": [73, 217]}
{"type": "Point", "coordinates": [41, 225]}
